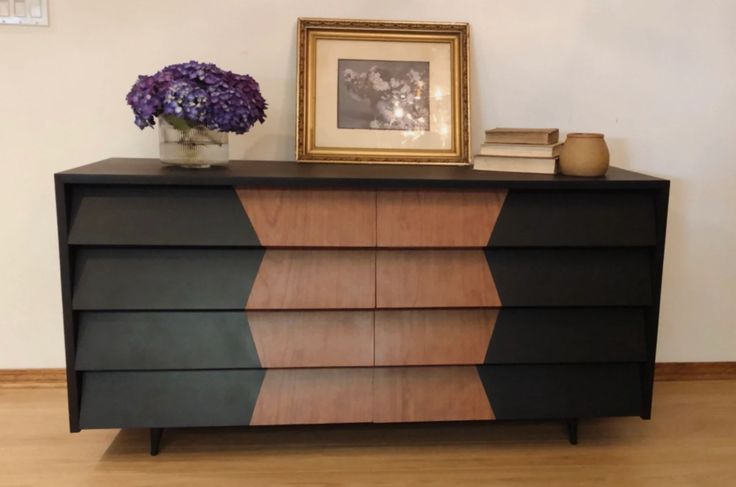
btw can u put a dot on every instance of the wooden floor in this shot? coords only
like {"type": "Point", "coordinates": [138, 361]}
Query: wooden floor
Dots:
{"type": "Point", "coordinates": [690, 442]}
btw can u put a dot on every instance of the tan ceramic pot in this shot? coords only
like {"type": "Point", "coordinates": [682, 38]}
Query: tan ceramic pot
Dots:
{"type": "Point", "coordinates": [584, 155]}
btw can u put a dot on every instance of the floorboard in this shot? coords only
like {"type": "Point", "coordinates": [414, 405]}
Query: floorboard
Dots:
{"type": "Point", "coordinates": [691, 441]}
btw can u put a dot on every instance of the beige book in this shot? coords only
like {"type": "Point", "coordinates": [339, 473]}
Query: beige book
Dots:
{"type": "Point", "coordinates": [539, 165]}
{"type": "Point", "coordinates": [520, 150]}
{"type": "Point", "coordinates": [505, 135]}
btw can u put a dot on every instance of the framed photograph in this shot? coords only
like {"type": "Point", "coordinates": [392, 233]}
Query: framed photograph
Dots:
{"type": "Point", "coordinates": [382, 92]}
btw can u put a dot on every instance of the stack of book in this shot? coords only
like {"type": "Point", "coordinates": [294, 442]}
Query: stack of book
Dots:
{"type": "Point", "coordinates": [519, 150]}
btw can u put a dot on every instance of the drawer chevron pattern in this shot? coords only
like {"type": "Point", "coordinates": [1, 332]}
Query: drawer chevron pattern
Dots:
{"type": "Point", "coordinates": [161, 340]}
{"type": "Point", "coordinates": [227, 216]}
{"type": "Point", "coordinates": [275, 294]}
{"type": "Point", "coordinates": [358, 395]}
{"type": "Point", "coordinates": [235, 278]}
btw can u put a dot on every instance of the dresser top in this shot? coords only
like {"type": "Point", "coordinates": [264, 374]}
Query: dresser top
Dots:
{"type": "Point", "coordinates": [151, 171]}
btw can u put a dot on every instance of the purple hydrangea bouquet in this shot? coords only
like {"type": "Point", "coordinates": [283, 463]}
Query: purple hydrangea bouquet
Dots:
{"type": "Point", "coordinates": [196, 105]}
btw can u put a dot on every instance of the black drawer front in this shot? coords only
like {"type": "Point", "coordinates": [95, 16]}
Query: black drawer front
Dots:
{"type": "Point", "coordinates": [562, 391]}
{"type": "Point", "coordinates": [146, 278]}
{"type": "Point", "coordinates": [158, 215]}
{"type": "Point", "coordinates": [575, 218]}
{"type": "Point", "coordinates": [568, 335]}
{"type": "Point", "coordinates": [572, 277]}
{"type": "Point", "coordinates": [169, 399]}
{"type": "Point", "coordinates": [165, 340]}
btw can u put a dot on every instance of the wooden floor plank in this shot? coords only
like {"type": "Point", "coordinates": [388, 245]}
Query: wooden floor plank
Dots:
{"type": "Point", "coordinates": [689, 441]}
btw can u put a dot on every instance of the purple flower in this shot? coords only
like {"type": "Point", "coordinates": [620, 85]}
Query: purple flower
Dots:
{"type": "Point", "coordinates": [200, 94]}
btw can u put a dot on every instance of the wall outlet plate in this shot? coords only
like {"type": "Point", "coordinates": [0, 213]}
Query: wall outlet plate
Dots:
{"type": "Point", "coordinates": [24, 12]}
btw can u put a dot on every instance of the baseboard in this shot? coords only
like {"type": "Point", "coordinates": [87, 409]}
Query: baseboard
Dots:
{"type": "Point", "coordinates": [32, 378]}
{"type": "Point", "coordinates": [666, 371]}
{"type": "Point", "coordinates": [695, 371]}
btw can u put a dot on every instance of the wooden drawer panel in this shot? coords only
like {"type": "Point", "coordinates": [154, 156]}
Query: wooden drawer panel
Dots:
{"type": "Point", "coordinates": [315, 279]}
{"type": "Point", "coordinates": [404, 394]}
{"type": "Point", "coordinates": [434, 279]}
{"type": "Point", "coordinates": [313, 338]}
{"type": "Point", "coordinates": [163, 340]}
{"type": "Point", "coordinates": [512, 277]}
{"type": "Point", "coordinates": [433, 337]}
{"type": "Point", "coordinates": [437, 218]}
{"type": "Point", "coordinates": [509, 335]}
{"type": "Point", "coordinates": [311, 218]}
{"type": "Point", "coordinates": [172, 279]}
{"type": "Point", "coordinates": [222, 216]}
{"type": "Point", "coordinates": [315, 396]}
{"type": "Point", "coordinates": [226, 397]}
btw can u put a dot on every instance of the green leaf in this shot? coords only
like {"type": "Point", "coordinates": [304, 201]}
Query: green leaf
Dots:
{"type": "Point", "coordinates": [178, 123]}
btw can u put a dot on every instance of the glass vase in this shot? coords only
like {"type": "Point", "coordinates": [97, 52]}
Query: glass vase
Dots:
{"type": "Point", "coordinates": [192, 147]}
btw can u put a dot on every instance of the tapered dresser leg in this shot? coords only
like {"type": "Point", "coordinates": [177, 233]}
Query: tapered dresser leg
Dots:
{"type": "Point", "coordinates": [572, 431]}
{"type": "Point", "coordinates": [156, 434]}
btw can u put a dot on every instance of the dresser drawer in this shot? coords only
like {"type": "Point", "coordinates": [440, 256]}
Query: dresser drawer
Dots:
{"type": "Point", "coordinates": [164, 399]}
{"type": "Point", "coordinates": [405, 394]}
{"type": "Point", "coordinates": [221, 216]}
{"type": "Point", "coordinates": [513, 218]}
{"type": "Point", "coordinates": [159, 340]}
{"type": "Point", "coordinates": [509, 335]}
{"type": "Point", "coordinates": [513, 277]}
{"type": "Point", "coordinates": [118, 278]}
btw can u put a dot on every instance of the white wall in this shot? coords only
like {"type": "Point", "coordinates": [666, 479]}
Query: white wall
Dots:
{"type": "Point", "coordinates": [657, 77]}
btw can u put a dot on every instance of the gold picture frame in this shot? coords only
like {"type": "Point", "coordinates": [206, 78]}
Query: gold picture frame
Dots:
{"type": "Point", "coordinates": [347, 112]}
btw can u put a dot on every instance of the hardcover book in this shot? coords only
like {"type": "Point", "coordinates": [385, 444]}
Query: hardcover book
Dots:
{"type": "Point", "coordinates": [521, 150]}
{"type": "Point", "coordinates": [503, 135]}
{"type": "Point", "coordinates": [539, 165]}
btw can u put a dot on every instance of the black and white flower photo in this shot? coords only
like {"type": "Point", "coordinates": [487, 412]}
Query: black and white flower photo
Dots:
{"type": "Point", "coordinates": [383, 95]}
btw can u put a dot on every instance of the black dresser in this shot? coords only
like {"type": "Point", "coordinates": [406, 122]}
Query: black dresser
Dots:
{"type": "Point", "coordinates": [276, 293]}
